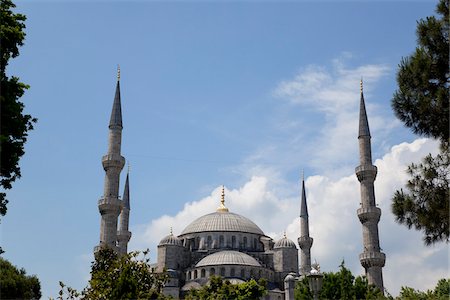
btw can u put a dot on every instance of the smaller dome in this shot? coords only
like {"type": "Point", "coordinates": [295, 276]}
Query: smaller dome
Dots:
{"type": "Point", "coordinates": [284, 243]}
{"type": "Point", "coordinates": [171, 240]}
{"type": "Point", "coordinates": [228, 258]}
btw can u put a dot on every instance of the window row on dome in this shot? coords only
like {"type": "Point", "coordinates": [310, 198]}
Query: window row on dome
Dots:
{"type": "Point", "coordinates": [237, 241]}
{"type": "Point", "coordinates": [241, 272]}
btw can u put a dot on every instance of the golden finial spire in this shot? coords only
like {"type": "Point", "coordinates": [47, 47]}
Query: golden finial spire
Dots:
{"type": "Point", "coordinates": [129, 167]}
{"type": "Point", "coordinates": [303, 174]}
{"type": "Point", "coordinates": [171, 232]}
{"type": "Point", "coordinates": [361, 84]}
{"type": "Point", "coordinates": [118, 72]}
{"type": "Point", "coordinates": [222, 207]}
{"type": "Point", "coordinates": [284, 234]}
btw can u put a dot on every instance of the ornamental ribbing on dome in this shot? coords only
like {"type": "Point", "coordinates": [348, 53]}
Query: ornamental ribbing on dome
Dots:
{"type": "Point", "coordinates": [228, 258]}
{"type": "Point", "coordinates": [284, 243]}
{"type": "Point", "coordinates": [171, 240]}
{"type": "Point", "coordinates": [222, 221]}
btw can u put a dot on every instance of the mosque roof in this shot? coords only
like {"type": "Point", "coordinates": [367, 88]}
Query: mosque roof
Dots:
{"type": "Point", "coordinates": [284, 243]}
{"type": "Point", "coordinates": [228, 258]}
{"type": "Point", "coordinates": [171, 240]}
{"type": "Point", "coordinates": [222, 221]}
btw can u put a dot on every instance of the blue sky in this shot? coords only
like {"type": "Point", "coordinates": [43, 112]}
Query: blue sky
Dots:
{"type": "Point", "coordinates": [245, 94]}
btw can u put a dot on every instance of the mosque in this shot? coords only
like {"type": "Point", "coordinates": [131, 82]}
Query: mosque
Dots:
{"type": "Point", "coordinates": [228, 244]}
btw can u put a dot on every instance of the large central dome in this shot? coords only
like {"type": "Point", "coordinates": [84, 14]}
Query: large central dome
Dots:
{"type": "Point", "coordinates": [222, 221]}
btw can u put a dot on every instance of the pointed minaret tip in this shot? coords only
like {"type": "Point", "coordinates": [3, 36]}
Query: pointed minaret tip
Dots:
{"type": "Point", "coordinates": [303, 205]}
{"type": "Point", "coordinates": [118, 72]}
{"type": "Point", "coordinates": [126, 193]}
{"type": "Point", "coordinates": [116, 113]}
{"type": "Point", "coordinates": [363, 122]}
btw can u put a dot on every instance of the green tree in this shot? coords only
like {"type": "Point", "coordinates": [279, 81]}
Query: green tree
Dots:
{"type": "Point", "coordinates": [16, 284]}
{"type": "Point", "coordinates": [220, 289]}
{"type": "Point", "coordinates": [422, 103]}
{"type": "Point", "coordinates": [339, 285]}
{"type": "Point", "coordinates": [440, 292]}
{"type": "Point", "coordinates": [15, 124]}
{"type": "Point", "coordinates": [119, 277]}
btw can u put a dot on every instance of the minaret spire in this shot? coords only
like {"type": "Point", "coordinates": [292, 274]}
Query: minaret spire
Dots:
{"type": "Point", "coordinates": [110, 205]}
{"type": "Point", "coordinates": [116, 113]}
{"type": "Point", "coordinates": [124, 235]}
{"type": "Point", "coordinates": [304, 241]}
{"type": "Point", "coordinates": [372, 259]}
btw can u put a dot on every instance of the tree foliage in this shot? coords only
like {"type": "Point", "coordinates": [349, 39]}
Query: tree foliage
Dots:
{"type": "Point", "coordinates": [220, 289]}
{"type": "Point", "coordinates": [339, 285]}
{"type": "Point", "coordinates": [422, 103]}
{"type": "Point", "coordinates": [15, 124]}
{"type": "Point", "coordinates": [440, 292]}
{"type": "Point", "coordinates": [119, 277]}
{"type": "Point", "coordinates": [16, 284]}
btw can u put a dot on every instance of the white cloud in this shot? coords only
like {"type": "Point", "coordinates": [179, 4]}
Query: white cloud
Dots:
{"type": "Point", "coordinates": [334, 225]}
{"type": "Point", "coordinates": [334, 94]}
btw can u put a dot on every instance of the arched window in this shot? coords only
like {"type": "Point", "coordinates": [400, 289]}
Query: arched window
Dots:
{"type": "Point", "coordinates": [203, 273]}
{"type": "Point", "coordinates": [197, 243]}
{"type": "Point", "coordinates": [251, 273]}
{"type": "Point", "coordinates": [245, 242]}
{"type": "Point", "coordinates": [233, 242]}
{"type": "Point", "coordinates": [222, 272]}
{"type": "Point", "coordinates": [243, 273]}
{"type": "Point", "coordinates": [232, 272]}
{"type": "Point", "coordinates": [209, 242]}
{"type": "Point", "coordinates": [259, 274]}
{"type": "Point", "coordinates": [189, 275]}
{"type": "Point", "coordinates": [221, 242]}
{"type": "Point", "coordinates": [255, 242]}
{"type": "Point", "coordinates": [212, 271]}
{"type": "Point", "coordinates": [195, 274]}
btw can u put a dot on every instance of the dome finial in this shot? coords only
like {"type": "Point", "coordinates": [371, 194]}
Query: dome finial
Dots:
{"type": "Point", "coordinates": [284, 234]}
{"type": "Point", "coordinates": [222, 201]}
{"type": "Point", "coordinates": [361, 85]}
{"type": "Point", "coordinates": [171, 232]}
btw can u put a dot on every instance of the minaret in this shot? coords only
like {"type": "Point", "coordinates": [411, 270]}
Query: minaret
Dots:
{"type": "Point", "coordinates": [124, 235]}
{"type": "Point", "coordinates": [372, 259]}
{"type": "Point", "coordinates": [110, 205]}
{"type": "Point", "coordinates": [304, 241]}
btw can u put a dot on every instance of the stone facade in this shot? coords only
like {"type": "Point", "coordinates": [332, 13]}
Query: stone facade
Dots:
{"type": "Point", "coordinates": [226, 244]}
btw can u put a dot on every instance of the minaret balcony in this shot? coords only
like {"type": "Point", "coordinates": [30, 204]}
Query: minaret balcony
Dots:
{"type": "Point", "coordinates": [371, 213]}
{"type": "Point", "coordinates": [109, 205]}
{"type": "Point", "coordinates": [372, 259]}
{"type": "Point", "coordinates": [123, 235]}
{"type": "Point", "coordinates": [366, 172]}
{"type": "Point", "coordinates": [113, 160]}
{"type": "Point", "coordinates": [305, 242]}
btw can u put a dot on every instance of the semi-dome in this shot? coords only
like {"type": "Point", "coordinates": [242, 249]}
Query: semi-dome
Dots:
{"type": "Point", "coordinates": [171, 240]}
{"type": "Point", "coordinates": [284, 243]}
{"type": "Point", "coordinates": [222, 221]}
{"type": "Point", "coordinates": [228, 258]}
